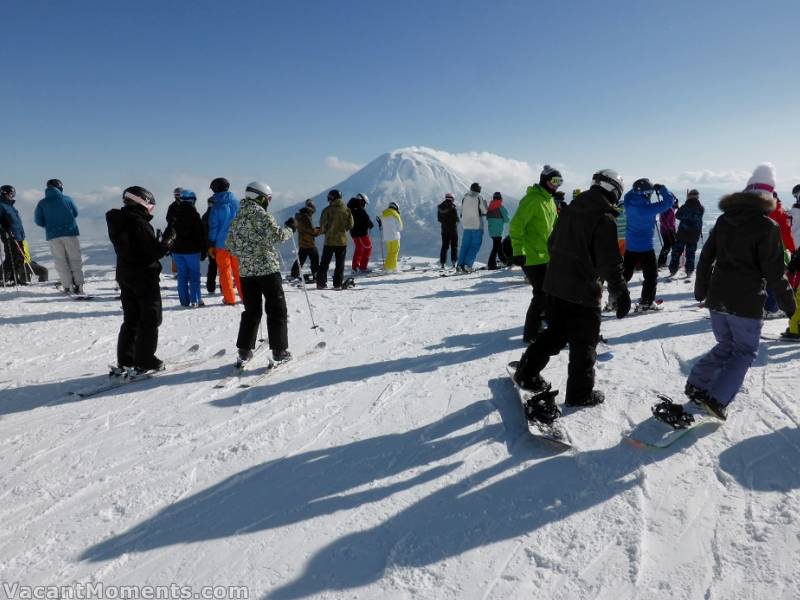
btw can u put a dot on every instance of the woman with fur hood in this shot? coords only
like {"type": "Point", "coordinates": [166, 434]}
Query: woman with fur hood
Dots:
{"type": "Point", "coordinates": [743, 253]}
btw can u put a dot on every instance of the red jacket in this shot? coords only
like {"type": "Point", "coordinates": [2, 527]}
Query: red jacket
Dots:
{"type": "Point", "coordinates": [781, 217]}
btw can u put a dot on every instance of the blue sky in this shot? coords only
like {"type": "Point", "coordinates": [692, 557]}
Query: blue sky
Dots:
{"type": "Point", "coordinates": [108, 94]}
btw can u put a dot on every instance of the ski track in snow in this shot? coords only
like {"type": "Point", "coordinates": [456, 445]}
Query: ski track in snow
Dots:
{"type": "Point", "coordinates": [395, 462]}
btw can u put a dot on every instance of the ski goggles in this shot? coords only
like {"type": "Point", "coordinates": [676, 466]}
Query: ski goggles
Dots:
{"type": "Point", "coordinates": [556, 181]}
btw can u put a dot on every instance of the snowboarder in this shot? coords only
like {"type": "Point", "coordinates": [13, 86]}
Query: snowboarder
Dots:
{"type": "Point", "coordinates": [496, 217]}
{"type": "Point", "coordinates": [360, 233]}
{"type": "Point", "coordinates": [138, 253]}
{"type": "Point", "coordinates": [334, 222]}
{"type": "Point", "coordinates": [224, 208]}
{"type": "Point", "coordinates": [190, 242]}
{"type": "Point", "coordinates": [56, 212]}
{"type": "Point", "coordinates": [529, 230]}
{"type": "Point", "coordinates": [668, 233]}
{"type": "Point", "coordinates": [640, 216]}
{"type": "Point", "coordinates": [447, 215]}
{"type": "Point", "coordinates": [743, 251]}
{"type": "Point", "coordinates": [13, 238]}
{"type": "Point", "coordinates": [391, 225]}
{"type": "Point", "coordinates": [473, 209]}
{"type": "Point", "coordinates": [306, 233]}
{"type": "Point", "coordinates": [253, 237]}
{"type": "Point", "coordinates": [689, 231]}
{"type": "Point", "coordinates": [211, 273]}
{"type": "Point", "coordinates": [582, 251]}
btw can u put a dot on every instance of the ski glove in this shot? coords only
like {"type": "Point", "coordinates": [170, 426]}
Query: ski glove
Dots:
{"type": "Point", "coordinates": [623, 304]}
{"type": "Point", "coordinates": [168, 240]}
{"type": "Point", "coordinates": [657, 187]}
{"type": "Point", "coordinates": [291, 224]}
{"type": "Point", "coordinates": [518, 260]}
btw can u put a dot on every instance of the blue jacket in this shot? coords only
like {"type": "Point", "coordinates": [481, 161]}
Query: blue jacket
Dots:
{"type": "Point", "coordinates": [641, 215]}
{"type": "Point", "coordinates": [10, 221]}
{"type": "Point", "coordinates": [56, 213]}
{"type": "Point", "coordinates": [225, 207]}
{"type": "Point", "coordinates": [497, 219]}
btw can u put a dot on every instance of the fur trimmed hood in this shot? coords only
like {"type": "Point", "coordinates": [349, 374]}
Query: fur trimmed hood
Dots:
{"type": "Point", "coordinates": [747, 200]}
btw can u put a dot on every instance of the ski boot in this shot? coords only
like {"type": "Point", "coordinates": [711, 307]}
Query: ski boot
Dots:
{"type": "Point", "coordinates": [281, 356]}
{"type": "Point", "coordinates": [244, 357]}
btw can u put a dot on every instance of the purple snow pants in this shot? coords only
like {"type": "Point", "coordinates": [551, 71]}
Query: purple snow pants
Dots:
{"type": "Point", "coordinates": [721, 371]}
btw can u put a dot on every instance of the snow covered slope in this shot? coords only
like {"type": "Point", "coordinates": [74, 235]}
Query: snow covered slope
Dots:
{"type": "Point", "coordinates": [393, 464]}
{"type": "Point", "coordinates": [417, 179]}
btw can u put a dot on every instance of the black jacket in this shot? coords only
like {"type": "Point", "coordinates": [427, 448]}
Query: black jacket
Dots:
{"type": "Point", "coordinates": [741, 258]}
{"type": "Point", "coordinates": [361, 221]}
{"type": "Point", "coordinates": [447, 214]}
{"type": "Point", "coordinates": [583, 251]}
{"type": "Point", "coordinates": [691, 217]}
{"type": "Point", "coordinates": [188, 226]}
{"type": "Point", "coordinates": [138, 250]}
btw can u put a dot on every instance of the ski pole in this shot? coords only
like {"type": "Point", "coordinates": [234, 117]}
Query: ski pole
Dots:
{"type": "Point", "coordinates": [383, 256]}
{"type": "Point", "coordinates": [24, 264]}
{"type": "Point", "coordinates": [303, 283]}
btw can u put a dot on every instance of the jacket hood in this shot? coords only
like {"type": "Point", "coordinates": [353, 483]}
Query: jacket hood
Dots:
{"type": "Point", "coordinates": [693, 202]}
{"type": "Point", "coordinates": [747, 201]}
{"type": "Point", "coordinates": [338, 202]}
{"type": "Point", "coordinates": [116, 218]}
{"type": "Point", "coordinates": [634, 198]}
{"type": "Point", "coordinates": [305, 211]}
{"type": "Point", "coordinates": [473, 194]}
{"type": "Point", "coordinates": [225, 198]}
{"type": "Point", "coordinates": [495, 204]}
{"type": "Point", "coordinates": [52, 192]}
{"type": "Point", "coordinates": [589, 202]}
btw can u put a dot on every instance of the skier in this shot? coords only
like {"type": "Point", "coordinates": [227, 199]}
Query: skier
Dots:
{"type": "Point", "coordinates": [13, 237]}
{"type": "Point", "coordinates": [529, 230]}
{"type": "Point", "coordinates": [667, 230]}
{"type": "Point", "coordinates": [582, 251]}
{"type": "Point", "coordinates": [640, 216]}
{"type": "Point", "coordinates": [56, 212]}
{"type": "Point", "coordinates": [223, 210]}
{"type": "Point", "coordinates": [306, 233]}
{"type": "Point", "coordinates": [781, 217]}
{"type": "Point", "coordinates": [792, 333]}
{"type": "Point", "coordinates": [391, 225]}
{"type": "Point", "coordinates": [691, 228]}
{"type": "Point", "coordinates": [334, 222]}
{"type": "Point", "coordinates": [473, 209]}
{"type": "Point", "coordinates": [138, 253]}
{"type": "Point", "coordinates": [253, 237]}
{"type": "Point", "coordinates": [496, 217]}
{"type": "Point", "coordinates": [447, 215]}
{"type": "Point", "coordinates": [190, 242]}
{"type": "Point", "coordinates": [211, 273]}
{"type": "Point", "coordinates": [742, 253]}
{"type": "Point", "coordinates": [360, 233]}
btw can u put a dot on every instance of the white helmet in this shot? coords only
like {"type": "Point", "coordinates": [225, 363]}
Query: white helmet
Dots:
{"type": "Point", "coordinates": [257, 189]}
{"type": "Point", "coordinates": [609, 180]}
{"type": "Point", "coordinates": [363, 197]}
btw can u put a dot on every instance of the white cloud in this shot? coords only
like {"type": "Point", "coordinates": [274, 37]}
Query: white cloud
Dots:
{"type": "Point", "coordinates": [337, 164]}
{"type": "Point", "coordinates": [493, 172]}
{"type": "Point", "coordinates": [708, 177]}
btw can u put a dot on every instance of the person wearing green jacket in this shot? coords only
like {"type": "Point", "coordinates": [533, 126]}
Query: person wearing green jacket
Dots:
{"type": "Point", "coordinates": [497, 217]}
{"type": "Point", "coordinates": [334, 222]}
{"type": "Point", "coordinates": [530, 228]}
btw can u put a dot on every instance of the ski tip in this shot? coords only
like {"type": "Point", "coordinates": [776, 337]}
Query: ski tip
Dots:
{"type": "Point", "coordinates": [322, 344]}
{"type": "Point", "coordinates": [194, 348]}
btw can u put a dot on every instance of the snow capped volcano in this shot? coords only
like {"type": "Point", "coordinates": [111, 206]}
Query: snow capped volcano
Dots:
{"type": "Point", "coordinates": [417, 179]}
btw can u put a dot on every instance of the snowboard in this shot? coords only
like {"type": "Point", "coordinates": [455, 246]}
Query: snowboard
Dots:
{"type": "Point", "coordinates": [769, 337]}
{"type": "Point", "coordinates": [554, 432]}
{"type": "Point", "coordinates": [657, 433]}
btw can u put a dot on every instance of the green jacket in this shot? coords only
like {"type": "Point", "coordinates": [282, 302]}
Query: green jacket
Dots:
{"type": "Point", "coordinates": [532, 225]}
{"type": "Point", "coordinates": [335, 221]}
{"type": "Point", "coordinates": [253, 237]}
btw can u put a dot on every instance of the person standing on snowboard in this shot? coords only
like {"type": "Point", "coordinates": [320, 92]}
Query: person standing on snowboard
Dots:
{"type": "Point", "coordinates": [582, 251]}
{"type": "Point", "coordinates": [742, 258]}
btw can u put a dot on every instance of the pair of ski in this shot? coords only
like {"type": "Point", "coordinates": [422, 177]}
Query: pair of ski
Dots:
{"type": "Point", "coordinates": [242, 374]}
{"type": "Point", "coordinates": [669, 423]}
{"type": "Point", "coordinates": [454, 273]}
{"type": "Point", "coordinates": [183, 361]}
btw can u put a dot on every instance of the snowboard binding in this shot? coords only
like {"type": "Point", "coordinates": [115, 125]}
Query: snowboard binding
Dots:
{"type": "Point", "coordinates": [542, 407]}
{"type": "Point", "coordinates": [672, 414]}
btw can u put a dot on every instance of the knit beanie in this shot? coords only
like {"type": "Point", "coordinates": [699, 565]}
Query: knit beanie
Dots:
{"type": "Point", "coordinates": [762, 181]}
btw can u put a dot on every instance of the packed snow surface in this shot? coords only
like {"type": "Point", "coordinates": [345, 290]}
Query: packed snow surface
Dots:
{"type": "Point", "coordinates": [393, 463]}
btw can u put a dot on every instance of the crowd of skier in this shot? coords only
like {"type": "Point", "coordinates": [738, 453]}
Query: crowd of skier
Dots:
{"type": "Point", "coordinates": [747, 270]}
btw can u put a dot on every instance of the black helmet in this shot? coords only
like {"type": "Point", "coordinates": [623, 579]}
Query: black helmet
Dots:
{"type": "Point", "coordinates": [138, 195]}
{"type": "Point", "coordinates": [475, 187]}
{"type": "Point", "coordinates": [334, 194]}
{"type": "Point", "coordinates": [796, 191]}
{"type": "Point", "coordinates": [8, 191]}
{"type": "Point", "coordinates": [56, 183]}
{"type": "Point", "coordinates": [642, 185]}
{"type": "Point", "coordinates": [220, 184]}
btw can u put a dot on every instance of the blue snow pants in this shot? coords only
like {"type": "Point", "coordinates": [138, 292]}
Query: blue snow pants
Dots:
{"type": "Point", "coordinates": [188, 277]}
{"type": "Point", "coordinates": [470, 245]}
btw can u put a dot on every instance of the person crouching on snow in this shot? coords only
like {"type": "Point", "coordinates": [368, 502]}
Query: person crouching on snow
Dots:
{"type": "Point", "coordinates": [743, 251]}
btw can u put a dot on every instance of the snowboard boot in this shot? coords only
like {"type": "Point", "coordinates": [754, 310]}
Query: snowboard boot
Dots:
{"type": "Point", "coordinates": [534, 385]}
{"type": "Point", "coordinates": [244, 357]}
{"type": "Point", "coordinates": [715, 408]}
{"type": "Point", "coordinates": [280, 356]}
{"type": "Point", "coordinates": [695, 394]}
{"type": "Point", "coordinates": [593, 399]}
{"type": "Point", "coordinates": [542, 407]}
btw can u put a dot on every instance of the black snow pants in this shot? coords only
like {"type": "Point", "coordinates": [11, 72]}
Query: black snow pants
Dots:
{"type": "Point", "coordinates": [141, 318]}
{"type": "Point", "coordinates": [536, 309]}
{"type": "Point", "coordinates": [449, 242]}
{"type": "Point", "coordinates": [271, 289]}
{"type": "Point", "coordinates": [649, 270]}
{"type": "Point", "coordinates": [329, 252]}
{"type": "Point", "coordinates": [302, 254]}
